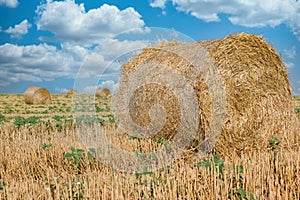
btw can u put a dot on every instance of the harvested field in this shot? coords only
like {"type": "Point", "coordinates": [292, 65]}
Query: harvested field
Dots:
{"type": "Point", "coordinates": [37, 161]}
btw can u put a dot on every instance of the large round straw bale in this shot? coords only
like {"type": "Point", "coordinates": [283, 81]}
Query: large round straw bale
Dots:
{"type": "Point", "coordinates": [37, 95]}
{"type": "Point", "coordinates": [258, 92]}
{"type": "Point", "coordinates": [102, 92]}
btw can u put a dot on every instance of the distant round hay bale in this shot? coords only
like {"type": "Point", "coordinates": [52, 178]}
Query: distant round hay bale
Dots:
{"type": "Point", "coordinates": [71, 92]}
{"type": "Point", "coordinates": [37, 95]}
{"type": "Point", "coordinates": [258, 92]}
{"type": "Point", "coordinates": [102, 92]}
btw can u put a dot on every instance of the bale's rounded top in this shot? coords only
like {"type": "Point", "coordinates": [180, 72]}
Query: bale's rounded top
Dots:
{"type": "Point", "coordinates": [71, 92]}
{"type": "Point", "coordinates": [102, 92]}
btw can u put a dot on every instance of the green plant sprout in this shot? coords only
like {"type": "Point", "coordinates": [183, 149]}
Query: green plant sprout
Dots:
{"type": "Point", "coordinates": [76, 154]}
{"type": "Point", "coordinates": [46, 146]}
{"type": "Point", "coordinates": [274, 143]}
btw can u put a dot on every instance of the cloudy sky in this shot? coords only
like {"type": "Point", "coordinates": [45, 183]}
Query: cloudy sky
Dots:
{"type": "Point", "coordinates": [46, 42]}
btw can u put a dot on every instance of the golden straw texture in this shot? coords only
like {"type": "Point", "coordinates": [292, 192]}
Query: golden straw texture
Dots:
{"type": "Point", "coordinates": [37, 95]}
{"type": "Point", "coordinates": [71, 92]}
{"type": "Point", "coordinates": [258, 92]}
{"type": "Point", "coordinates": [102, 92]}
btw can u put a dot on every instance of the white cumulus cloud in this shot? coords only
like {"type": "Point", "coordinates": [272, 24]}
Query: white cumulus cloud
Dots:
{"type": "Point", "coordinates": [105, 57]}
{"type": "Point", "coordinates": [111, 85]}
{"type": "Point", "coordinates": [158, 3]}
{"type": "Point", "coordinates": [61, 90]}
{"type": "Point", "coordinates": [290, 53]}
{"type": "Point", "coordinates": [249, 13]}
{"type": "Point", "coordinates": [19, 29]}
{"type": "Point", "coordinates": [34, 63]}
{"type": "Point", "coordinates": [69, 21]}
{"type": "Point", "coordinates": [45, 62]}
{"type": "Point", "coordinates": [91, 89]}
{"type": "Point", "coordinates": [289, 65]}
{"type": "Point", "coordinates": [9, 3]}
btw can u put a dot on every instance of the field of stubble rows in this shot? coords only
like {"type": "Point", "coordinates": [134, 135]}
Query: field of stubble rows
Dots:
{"type": "Point", "coordinates": [41, 157]}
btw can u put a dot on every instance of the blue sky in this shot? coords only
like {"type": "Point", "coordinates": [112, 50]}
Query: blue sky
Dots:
{"type": "Point", "coordinates": [45, 42]}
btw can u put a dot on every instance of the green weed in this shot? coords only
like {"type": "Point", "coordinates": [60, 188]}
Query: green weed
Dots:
{"type": "Point", "coordinates": [2, 119]}
{"type": "Point", "coordinates": [46, 146]}
{"type": "Point", "coordinates": [274, 143]}
{"type": "Point", "coordinates": [21, 121]}
{"type": "Point", "coordinates": [76, 155]}
{"type": "Point", "coordinates": [89, 120]}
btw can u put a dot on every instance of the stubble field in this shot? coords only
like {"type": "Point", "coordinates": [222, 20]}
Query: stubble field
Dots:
{"type": "Point", "coordinates": [41, 157]}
